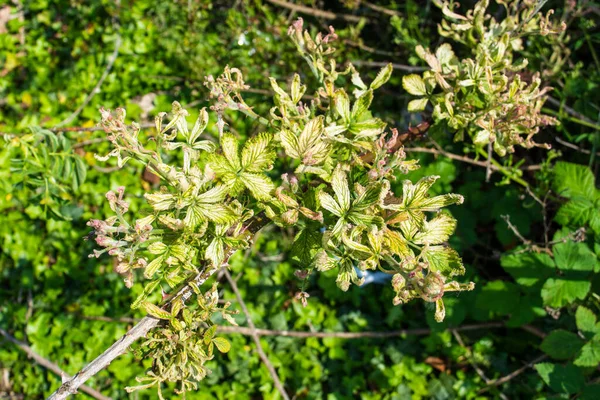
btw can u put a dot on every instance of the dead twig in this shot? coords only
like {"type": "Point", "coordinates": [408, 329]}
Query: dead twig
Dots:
{"type": "Point", "coordinates": [315, 12]}
{"type": "Point", "coordinates": [381, 9]}
{"type": "Point", "coordinates": [574, 147]}
{"type": "Point", "coordinates": [512, 375]}
{"type": "Point", "coordinates": [380, 64]}
{"type": "Point", "coordinates": [50, 365]}
{"type": "Point", "coordinates": [469, 356]}
{"type": "Point", "coordinates": [569, 110]}
{"type": "Point", "coordinates": [464, 159]}
{"type": "Point", "coordinates": [259, 349]}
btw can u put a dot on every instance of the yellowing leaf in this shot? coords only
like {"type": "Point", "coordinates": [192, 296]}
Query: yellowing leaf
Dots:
{"type": "Point", "coordinates": [414, 85]}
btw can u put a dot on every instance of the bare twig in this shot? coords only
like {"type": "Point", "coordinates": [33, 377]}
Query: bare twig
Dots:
{"type": "Point", "coordinates": [96, 89]}
{"type": "Point", "coordinates": [400, 67]}
{"type": "Point", "coordinates": [351, 335]}
{"type": "Point", "coordinates": [569, 110]}
{"type": "Point", "coordinates": [382, 10]}
{"type": "Point", "coordinates": [464, 158]}
{"type": "Point", "coordinates": [370, 49]}
{"type": "Point", "coordinates": [488, 167]}
{"type": "Point", "coordinates": [469, 355]}
{"type": "Point", "coordinates": [259, 349]}
{"type": "Point", "coordinates": [50, 365]}
{"type": "Point", "coordinates": [574, 147]}
{"type": "Point", "coordinates": [339, 335]}
{"type": "Point", "coordinates": [514, 229]}
{"type": "Point", "coordinates": [315, 12]}
{"type": "Point", "coordinates": [512, 375]}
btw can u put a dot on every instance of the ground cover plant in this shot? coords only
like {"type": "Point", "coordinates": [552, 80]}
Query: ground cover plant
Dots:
{"type": "Point", "coordinates": [299, 200]}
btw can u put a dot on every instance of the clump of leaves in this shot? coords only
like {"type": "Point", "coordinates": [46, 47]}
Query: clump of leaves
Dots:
{"type": "Point", "coordinates": [489, 98]}
{"type": "Point", "coordinates": [180, 349]}
{"type": "Point", "coordinates": [336, 193]}
{"type": "Point", "coordinates": [49, 168]}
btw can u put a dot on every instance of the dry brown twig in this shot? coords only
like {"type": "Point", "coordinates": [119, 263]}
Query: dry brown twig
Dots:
{"type": "Point", "coordinates": [512, 375]}
{"type": "Point", "coordinates": [315, 12]}
{"type": "Point", "coordinates": [49, 365]}
{"type": "Point", "coordinates": [469, 356]}
{"type": "Point", "coordinates": [381, 64]}
{"type": "Point", "coordinates": [255, 337]}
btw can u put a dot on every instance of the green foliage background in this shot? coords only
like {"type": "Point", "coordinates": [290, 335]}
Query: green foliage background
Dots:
{"type": "Point", "coordinates": [52, 294]}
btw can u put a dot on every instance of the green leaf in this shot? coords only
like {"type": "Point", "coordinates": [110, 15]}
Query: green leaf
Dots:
{"type": "Point", "coordinates": [414, 85]}
{"type": "Point", "coordinates": [382, 77]}
{"type": "Point", "coordinates": [571, 256]}
{"type": "Point", "coordinates": [80, 173]}
{"type": "Point", "coordinates": [259, 185]}
{"type": "Point", "coordinates": [572, 180]}
{"type": "Point", "coordinates": [199, 126]}
{"type": "Point", "coordinates": [576, 212]}
{"type": "Point", "coordinates": [339, 183]}
{"type": "Point", "coordinates": [215, 252]}
{"type": "Point", "coordinates": [417, 105]}
{"type": "Point", "coordinates": [160, 201]}
{"type": "Point", "coordinates": [230, 145]}
{"type": "Point", "coordinates": [256, 155]}
{"type": "Point", "coordinates": [158, 248]}
{"type": "Point", "coordinates": [561, 344]}
{"type": "Point", "coordinates": [342, 104]}
{"type": "Point", "coordinates": [499, 297]}
{"type": "Point", "coordinates": [367, 198]}
{"type": "Point", "coordinates": [329, 203]}
{"type": "Point", "coordinates": [436, 231]}
{"type": "Point", "coordinates": [222, 344]}
{"type": "Point", "coordinates": [362, 104]}
{"type": "Point", "coordinates": [561, 378]}
{"type": "Point", "coordinates": [560, 292]}
{"type": "Point", "coordinates": [155, 311]}
{"type": "Point", "coordinates": [528, 269]}
{"type": "Point", "coordinates": [306, 244]}
{"type": "Point", "coordinates": [153, 266]}
{"type": "Point", "coordinates": [590, 353]}
{"type": "Point", "coordinates": [368, 128]}
{"type": "Point", "coordinates": [586, 322]}
{"type": "Point", "coordinates": [444, 260]}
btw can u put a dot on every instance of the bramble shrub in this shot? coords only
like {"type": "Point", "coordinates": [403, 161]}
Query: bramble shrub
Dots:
{"type": "Point", "coordinates": [317, 164]}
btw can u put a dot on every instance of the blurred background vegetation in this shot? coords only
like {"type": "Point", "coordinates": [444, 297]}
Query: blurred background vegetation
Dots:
{"type": "Point", "coordinates": [60, 61]}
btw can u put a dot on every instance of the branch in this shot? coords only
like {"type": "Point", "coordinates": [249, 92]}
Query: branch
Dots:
{"type": "Point", "coordinates": [141, 328]}
{"type": "Point", "coordinates": [351, 335]}
{"type": "Point", "coordinates": [467, 160]}
{"type": "Point", "coordinates": [315, 12]}
{"type": "Point", "coordinates": [382, 10]}
{"type": "Point", "coordinates": [371, 49]}
{"type": "Point", "coordinates": [469, 355]}
{"type": "Point", "coordinates": [574, 147]}
{"type": "Point", "coordinates": [569, 110]}
{"type": "Point", "coordinates": [512, 375]}
{"type": "Point", "coordinates": [50, 365]}
{"type": "Point", "coordinates": [259, 349]}
{"type": "Point", "coordinates": [400, 67]}
{"type": "Point", "coordinates": [338, 335]}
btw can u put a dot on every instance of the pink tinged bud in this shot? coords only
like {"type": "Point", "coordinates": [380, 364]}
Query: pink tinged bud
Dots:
{"type": "Point", "coordinates": [301, 274]}
{"type": "Point", "coordinates": [303, 297]}
{"type": "Point", "coordinates": [121, 268]}
{"type": "Point", "coordinates": [129, 280]}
